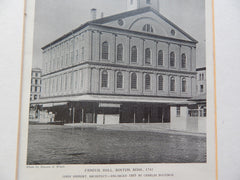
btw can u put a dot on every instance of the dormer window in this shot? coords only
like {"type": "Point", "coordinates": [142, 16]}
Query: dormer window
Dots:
{"type": "Point", "coordinates": [147, 28]}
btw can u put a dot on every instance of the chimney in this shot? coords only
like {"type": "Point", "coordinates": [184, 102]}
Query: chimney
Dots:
{"type": "Point", "coordinates": [93, 13]}
{"type": "Point", "coordinates": [102, 15]}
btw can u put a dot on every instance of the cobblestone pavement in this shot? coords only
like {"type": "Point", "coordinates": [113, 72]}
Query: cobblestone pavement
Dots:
{"type": "Point", "coordinates": [52, 144]}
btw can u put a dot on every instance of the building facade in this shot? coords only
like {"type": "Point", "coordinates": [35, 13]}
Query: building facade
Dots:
{"type": "Point", "coordinates": [125, 68]}
{"type": "Point", "coordinates": [35, 84]}
{"type": "Point", "coordinates": [35, 92]}
{"type": "Point", "coordinates": [201, 80]}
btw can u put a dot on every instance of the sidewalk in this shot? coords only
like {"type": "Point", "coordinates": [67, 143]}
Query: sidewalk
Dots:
{"type": "Point", "coordinates": [153, 127]}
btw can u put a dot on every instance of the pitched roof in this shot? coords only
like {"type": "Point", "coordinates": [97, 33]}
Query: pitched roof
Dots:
{"type": "Point", "coordinates": [122, 15]}
{"type": "Point", "coordinates": [140, 11]}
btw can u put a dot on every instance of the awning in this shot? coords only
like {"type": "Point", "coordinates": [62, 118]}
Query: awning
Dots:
{"type": "Point", "coordinates": [112, 99]}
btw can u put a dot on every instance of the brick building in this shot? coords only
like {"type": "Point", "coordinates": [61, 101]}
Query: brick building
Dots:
{"type": "Point", "coordinates": [201, 80]}
{"type": "Point", "coordinates": [35, 84]}
{"type": "Point", "coordinates": [125, 68]}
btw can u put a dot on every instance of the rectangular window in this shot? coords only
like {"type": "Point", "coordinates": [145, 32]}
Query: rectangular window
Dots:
{"type": "Point", "coordinates": [204, 112]}
{"type": "Point", "coordinates": [201, 88]}
{"type": "Point", "coordinates": [178, 113]}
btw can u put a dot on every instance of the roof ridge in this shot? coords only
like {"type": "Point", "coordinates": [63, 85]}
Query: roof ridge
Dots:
{"type": "Point", "coordinates": [127, 14]}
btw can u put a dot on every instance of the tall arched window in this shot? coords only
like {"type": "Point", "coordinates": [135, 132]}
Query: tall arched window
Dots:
{"type": "Point", "coordinates": [183, 60]}
{"type": "Point", "coordinates": [160, 57]}
{"type": "Point", "coordinates": [147, 81]}
{"type": "Point", "coordinates": [104, 79]}
{"type": "Point", "coordinates": [105, 50]}
{"type": "Point", "coordinates": [172, 59]}
{"type": "Point", "coordinates": [184, 85]}
{"type": "Point", "coordinates": [172, 84]}
{"type": "Point", "coordinates": [160, 82]}
{"type": "Point", "coordinates": [119, 52]}
{"type": "Point", "coordinates": [133, 81]}
{"type": "Point", "coordinates": [147, 56]}
{"type": "Point", "coordinates": [119, 80]}
{"type": "Point", "coordinates": [134, 54]}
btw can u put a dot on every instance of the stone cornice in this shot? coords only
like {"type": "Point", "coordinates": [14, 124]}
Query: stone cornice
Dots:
{"type": "Point", "coordinates": [108, 65]}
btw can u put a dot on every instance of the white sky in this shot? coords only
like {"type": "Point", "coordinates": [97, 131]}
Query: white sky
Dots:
{"type": "Point", "coordinates": [53, 18]}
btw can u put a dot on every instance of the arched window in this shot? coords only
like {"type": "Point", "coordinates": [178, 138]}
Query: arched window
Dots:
{"type": "Point", "coordinates": [147, 81]}
{"type": "Point", "coordinates": [160, 83]}
{"type": "Point", "coordinates": [105, 50]}
{"type": "Point", "coordinates": [134, 54]}
{"type": "Point", "coordinates": [119, 52]}
{"type": "Point", "coordinates": [172, 84]}
{"type": "Point", "coordinates": [147, 28]}
{"type": "Point", "coordinates": [147, 56]}
{"type": "Point", "coordinates": [184, 85]}
{"type": "Point", "coordinates": [133, 81]}
{"type": "Point", "coordinates": [172, 59]}
{"type": "Point", "coordinates": [160, 57]}
{"type": "Point", "coordinates": [119, 80]}
{"type": "Point", "coordinates": [104, 79]}
{"type": "Point", "coordinates": [183, 60]}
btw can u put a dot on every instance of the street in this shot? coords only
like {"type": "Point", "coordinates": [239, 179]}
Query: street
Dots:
{"type": "Point", "coordinates": [52, 144]}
